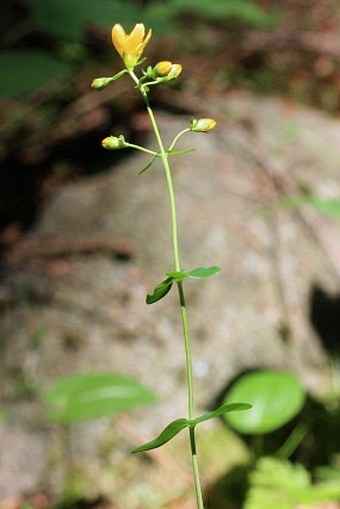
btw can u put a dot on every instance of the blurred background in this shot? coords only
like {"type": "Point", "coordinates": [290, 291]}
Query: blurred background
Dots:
{"type": "Point", "coordinates": [50, 50]}
{"type": "Point", "coordinates": [75, 246]}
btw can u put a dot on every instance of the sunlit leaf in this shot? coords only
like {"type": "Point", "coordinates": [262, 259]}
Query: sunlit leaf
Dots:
{"type": "Point", "coordinates": [177, 276]}
{"type": "Point", "coordinates": [276, 397]}
{"type": "Point", "coordinates": [203, 272]}
{"type": "Point", "coordinates": [160, 291]}
{"type": "Point", "coordinates": [22, 72]}
{"type": "Point", "coordinates": [84, 396]}
{"type": "Point", "coordinates": [167, 434]}
{"type": "Point", "coordinates": [224, 409]}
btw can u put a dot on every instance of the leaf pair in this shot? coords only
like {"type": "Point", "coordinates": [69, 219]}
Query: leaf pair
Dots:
{"type": "Point", "coordinates": [165, 286]}
{"type": "Point", "coordinates": [169, 153]}
{"type": "Point", "coordinates": [172, 429]}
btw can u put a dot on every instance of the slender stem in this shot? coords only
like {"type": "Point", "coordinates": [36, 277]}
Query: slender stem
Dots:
{"type": "Point", "coordinates": [142, 149]}
{"type": "Point", "coordinates": [175, 140]}
{"type": "Point", "coordinates": [177, 267]}
{"type": "Point", "coordinates": [195, 469]}
{"type": "Point", "coordinates": [164, 157]}
{"type": "Point", "coordinates": [187, 347]}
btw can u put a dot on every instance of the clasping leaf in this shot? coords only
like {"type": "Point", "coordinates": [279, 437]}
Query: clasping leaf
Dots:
{"type": "Point", "coordinates": [172, 429]}
{"type": "Point", "coordinates": [160, 291]}
{"type": "Point", "coordinates": [203, 272]}
{"type": "Point", "coordinates": [167, 434]}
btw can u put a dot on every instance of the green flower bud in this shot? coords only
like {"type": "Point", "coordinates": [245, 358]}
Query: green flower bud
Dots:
{"type": "Point", "coordinates": [175, 71]}
{"type": "Point", "coordinates": [202, 125]}
{"type": "Point", "coordinates": [114, 142]}
{"type": "Point", "coordinates": [99, 83]}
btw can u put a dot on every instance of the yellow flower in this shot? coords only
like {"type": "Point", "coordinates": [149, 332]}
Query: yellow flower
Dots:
{"type": "Point", "coordinates": [130, 46]}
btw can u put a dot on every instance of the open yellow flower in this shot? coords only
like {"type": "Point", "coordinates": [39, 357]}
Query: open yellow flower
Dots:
{"type": "Point", "coordinates": [130, 46]}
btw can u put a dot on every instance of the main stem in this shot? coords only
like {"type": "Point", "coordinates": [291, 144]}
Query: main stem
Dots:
{"type": "Point", "coordinates": [177, 267]}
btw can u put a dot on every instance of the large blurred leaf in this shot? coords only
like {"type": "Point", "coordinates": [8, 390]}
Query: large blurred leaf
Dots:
{"type": "Point", "coordinates": [276, 397]}
{"type": "Point", "coordinates": [326, 206]}
{"type": "Point", "coordinates": [84, 396]}
{"type": "Point", "coordinates": [25, 71]}
{"type": "Point", "coordinates": [162, 15]}
{"type": "Point", "coordinates": [68, 18]}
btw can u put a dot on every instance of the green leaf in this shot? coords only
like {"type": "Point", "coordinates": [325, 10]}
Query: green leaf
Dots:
{"type": "Point", "coordinates": [180, 152]}
{"type": "Point", "coordinates": [280, 484]}
{"type": "Point", "coordinates": [224, 409]}
{"type": "Point", "coordinates": [22, 72]}
{"type": "Point", "coordinates": [176, 426]}
{"type": "Point", "coordinates": [164, 15]}
{"type": "Point", "coordinates": [276, 397]}
{"type": "Point", "coordinates": [160, 291]}
{"type": "Point", "coordinates": [84, 396]}
{"type": "Point", "coordinates": [167, 434]}
{"type": "Point", "coordinates": [277, 484]}
{"type": "Point", "coordinates": [148, 165]}
{"type": "Point", "coordinates": [67, 19]}
{"type": "Point", "coordinates": [202, 272]}
{"type": "Point", "coordinates": [177, 276]}
{"type": "Point", "coordinates": [330, 207]}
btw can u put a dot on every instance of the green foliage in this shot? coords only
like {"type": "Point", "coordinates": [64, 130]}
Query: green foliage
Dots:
{"type": "Point", "coordinates": [24, 71]}
{"type": "Point", "coordinates": [172, 429]}
{"type": "Point", "coordinates": [84, 396]}
{"type": "Point", "coordinates": [169, 432]}
{"type": "Point", "coordinates": [164, 287]}
{"type": "Point", "coordinates": [276, 397]}
{"type": "Point", "coordinates": [330, 207]}
{"type": "Point", "coordinates": [163, 15]}
{"type": "Point", "coordinates": [3, 416]}
{"type": "Point", "coordinates": [67, 19]}
{"type": "Point", "coordinates": [65, 22]}
{"type": "Point", "coordinates": [281, 485]}
{"type": "Point", "coordinates": [161, 290]}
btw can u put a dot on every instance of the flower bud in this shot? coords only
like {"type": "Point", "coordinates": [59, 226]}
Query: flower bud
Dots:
{"type": "Point", "coordinates": [114, 142]}
{"type": "Point", "coordinates": [202, 125]}
{"type": "Point", "coordinates": [165, 71]}
{"type": "Point", "coordinates": [175, 71]}
{"type": "Point", "coordinates": [100, 82]}
{"type": "Point", "coordinates": [162, 68]}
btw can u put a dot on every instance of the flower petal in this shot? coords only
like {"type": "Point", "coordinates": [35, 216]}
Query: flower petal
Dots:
{"type": "Point", "coordinates": [119, 38]}
{"type": "Point", "coordinates": [135, 38]}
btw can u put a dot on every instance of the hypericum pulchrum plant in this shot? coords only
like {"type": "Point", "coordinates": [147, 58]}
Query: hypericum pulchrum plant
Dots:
{"type": "Point", "coordinates": [131, 47]}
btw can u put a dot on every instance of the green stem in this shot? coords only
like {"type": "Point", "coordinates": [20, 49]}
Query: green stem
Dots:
{"type": "Point", "coordinates": [195, 469]}
{"type": "Point", "coordinates": [177, 267]}
{"type": "Point", "coordinates": [175, 140]}
{"type": "Point", "coordinates": [142, 149]}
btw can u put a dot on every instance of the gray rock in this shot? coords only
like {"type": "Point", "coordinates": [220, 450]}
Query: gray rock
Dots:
{"type": "Point", "coordinates": [86, 312]}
